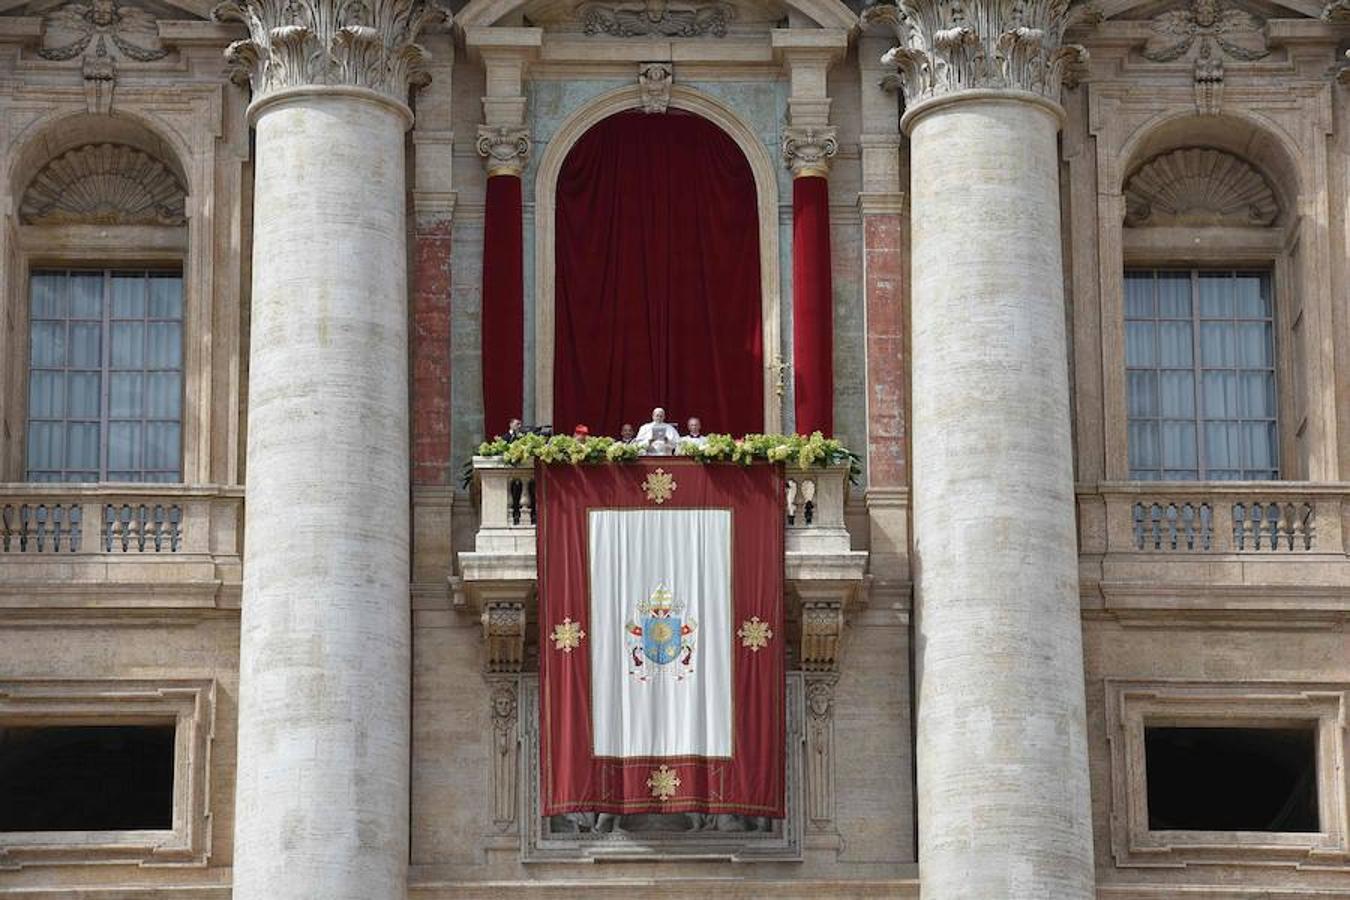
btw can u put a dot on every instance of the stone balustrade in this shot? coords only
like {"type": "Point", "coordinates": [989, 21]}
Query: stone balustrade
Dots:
{"type": "Point", "coordinates": [58, 542]}
{"type": "Point", "coordinates": [1243, 551]}
{"type": "Point", "coordinates": [1224, 517]}
{"type": "Point", "coordinates": [497, 577]}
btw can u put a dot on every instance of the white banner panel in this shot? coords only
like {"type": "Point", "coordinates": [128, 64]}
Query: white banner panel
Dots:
{"type": "Point", "coordinates": [660, 632]}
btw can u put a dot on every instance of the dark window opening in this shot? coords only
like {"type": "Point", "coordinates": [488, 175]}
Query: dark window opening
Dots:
{"type": "Point", "coordinates": [1231, 779]}
{"type": "Point", "coordinates": [86, 777]}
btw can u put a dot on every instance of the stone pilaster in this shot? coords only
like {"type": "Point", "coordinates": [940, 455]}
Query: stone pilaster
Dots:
{"type": "Point", "coordinates": [998, 644]}
{"type": "Point", "coordinates": [321, 804]}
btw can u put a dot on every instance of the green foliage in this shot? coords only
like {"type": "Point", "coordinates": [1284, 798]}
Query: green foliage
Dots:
{"type": "Point", "coordinates": [559, 448]}
{"type": "Point", "coordinates": [791, 449]}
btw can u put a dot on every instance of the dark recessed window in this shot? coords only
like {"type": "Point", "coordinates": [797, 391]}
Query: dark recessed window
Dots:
{"type": "Point", "coordinates": [1231, 779]}
{"type": "Point", "coordinates": [86, 777]}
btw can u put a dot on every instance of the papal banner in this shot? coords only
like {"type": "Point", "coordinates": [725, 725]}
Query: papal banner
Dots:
{"type": "Point", "coordinates": [661, 664]}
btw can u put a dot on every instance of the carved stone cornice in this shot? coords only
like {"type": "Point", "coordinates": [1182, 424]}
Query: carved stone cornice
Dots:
{"type": "Point", "coordinates": [504, 148]}
{"type": "Point", "coordinates": [104, 184]}
{"type": "Point", "coordinates": [950, 46]}
{"type": "Point", "coordinates": [807, 150]}
{"type": "Point", "coordinates": [305, 43]}
{"type": "Point", "coordinates": [101, 29]}
{"type": "Point", "coordinates": [660, 18]}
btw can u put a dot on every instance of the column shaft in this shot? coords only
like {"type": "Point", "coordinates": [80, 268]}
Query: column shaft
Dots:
{"type": "Point", "coordinates": [503, 304]}
{"type": "Point", "coordinates": [322, 794]}
{"type": "Point", "coordinates": [812, 305]}
{"type": "Point", "coordinates": [1001, 750]}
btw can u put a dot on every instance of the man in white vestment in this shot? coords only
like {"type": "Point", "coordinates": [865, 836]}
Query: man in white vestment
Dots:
{"type": "Point", "coordinates": [658, 437]}
{"type": "Point", "coordinates": [694, 433]}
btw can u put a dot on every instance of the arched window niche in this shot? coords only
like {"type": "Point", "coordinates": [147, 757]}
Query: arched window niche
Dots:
{"type": "Point", "coordinates": [99, 307]}
{"type": "Point", "coordinates": [552, 160]}
{"type": "Point", "coordinates": [1220, 375]}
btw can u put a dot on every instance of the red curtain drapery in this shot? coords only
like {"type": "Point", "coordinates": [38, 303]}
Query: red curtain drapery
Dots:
{"type": "Point", "coordinates": [658, 279]}
{"type": "Point", "coordinates": [812, 306]}
{"type": "Point", "coordinates": [503, 321]}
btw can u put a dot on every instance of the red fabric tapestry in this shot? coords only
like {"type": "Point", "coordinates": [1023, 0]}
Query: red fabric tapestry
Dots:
{"type": "Point", "coordinates": [503, 322]}
{"type": "Point", "coordinates": [658, 278]}
{"type": "Point", "coordinates": [812, 306]}
{"type": "Point", "coordinates": [662, 667]}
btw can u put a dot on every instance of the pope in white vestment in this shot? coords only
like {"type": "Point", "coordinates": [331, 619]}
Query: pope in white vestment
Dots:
{"type": "Point", "coordinates": [658, 435]}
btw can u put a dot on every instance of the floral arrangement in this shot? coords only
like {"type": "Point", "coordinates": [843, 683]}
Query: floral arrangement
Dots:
{"type": "Point", "coordinates": [801, 450]}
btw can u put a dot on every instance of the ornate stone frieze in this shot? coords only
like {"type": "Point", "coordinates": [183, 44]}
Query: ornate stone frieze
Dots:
{"type": "Point", "coordinates": [657, 17]}
{"type": "Point", "coordinates": [654, 81]}
{"type": "Point", "coordinates": [104, 184]}
{"type": "Point", "coordinates": [1206, 32]}
{"type": "Point", "coordinates": [504, 634]}
{"type": "Point", "coordinates": [504, 148]}
{"type": "Point", "coordinates": [1198, 186]}
{"type": "Point", "coordinates": [505, 708]}
{"type": "Point", "coordinates": [807, 150]}
{"type": "Point", "coordinates": [296, 43]}
{"type": "Point", "coordinates": [948, 46]}
{"type": "Point", "coordinates": [101, 29]}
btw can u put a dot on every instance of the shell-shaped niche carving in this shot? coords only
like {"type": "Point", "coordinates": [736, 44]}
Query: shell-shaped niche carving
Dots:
{"type": "Point", "coordinates": [104, 184]}
{"type": "Point", "coordinates": [1199, 186]}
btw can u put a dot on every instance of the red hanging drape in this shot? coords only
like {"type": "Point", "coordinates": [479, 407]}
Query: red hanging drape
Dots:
{"type": "Point", "coordinates": [812, 306]}
{"type": "Point", "coordinates": [503, 321]}
{"type": "Point", "coordinates": [658, 280]}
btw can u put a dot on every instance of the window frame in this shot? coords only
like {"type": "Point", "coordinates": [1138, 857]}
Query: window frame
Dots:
{"type": "Point", "coordinates": [72, 247]}
{"type": "Point", "coordinates": [105, 370]}
{"type": "Point", "coordinates": [1196, 274]}
{"type": "Point", "coordinates": [189, 703]}
{"type": "Point", "coordinates": [1131, 706]}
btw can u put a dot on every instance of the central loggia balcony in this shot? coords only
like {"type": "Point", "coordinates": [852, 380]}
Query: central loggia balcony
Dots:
{"type": "Point", "coordinates": [825, 576]}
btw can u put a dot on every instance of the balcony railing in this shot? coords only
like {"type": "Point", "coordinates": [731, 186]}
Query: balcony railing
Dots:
{"type": "Point", "coordinates": [87, 544]}
{"type": "Point", "coordinates": [1268, 518]}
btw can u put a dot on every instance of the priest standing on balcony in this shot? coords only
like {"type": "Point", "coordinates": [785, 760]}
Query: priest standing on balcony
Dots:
{"type": "Point", "coordinates": [658, 436]}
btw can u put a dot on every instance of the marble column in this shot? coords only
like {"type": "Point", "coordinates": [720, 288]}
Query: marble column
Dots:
{"type": "Point", "coordinates": [321, 801]}
{"type": "Point", "coordinates": [1003, 801]}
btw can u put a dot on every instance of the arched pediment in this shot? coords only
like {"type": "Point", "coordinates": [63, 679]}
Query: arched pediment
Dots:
{"type": "Point", "coordinates": [660, 17]}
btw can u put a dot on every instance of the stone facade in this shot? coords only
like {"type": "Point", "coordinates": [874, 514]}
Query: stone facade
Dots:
{"type": "Point", "coordinates": [345, 631]}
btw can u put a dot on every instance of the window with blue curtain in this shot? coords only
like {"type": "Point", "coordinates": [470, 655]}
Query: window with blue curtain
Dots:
{"type": "Point", "coordinates": [105, 383]}
{"type": "Point", "coordinates": [1200, 375]}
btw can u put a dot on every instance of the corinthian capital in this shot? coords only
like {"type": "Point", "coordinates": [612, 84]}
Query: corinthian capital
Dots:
{"type": "Point", "coordinates": [807, 150]}
{"type": "Point", "coordinates": [504, 148]}
{"type": "Point", "coordinates": [947, 46]}
{"type": "Point", "coordinates": [297, 43]}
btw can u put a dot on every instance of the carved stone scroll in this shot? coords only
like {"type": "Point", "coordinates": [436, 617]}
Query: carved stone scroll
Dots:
{"type": "Point", "coordinates": [297, 43]}
{"type": "Point", "coordinates": [807, 150]}
{"type": "Point", "coordinates": [504, 148]}
{"type": "Point", "coordinates": [654, 81]}
{"type": "Point", "coordinates": [104, 184]}
{"type": "Point", "coordinates": [949, 46]}
{"type": "Point", "coordinates": [1198, 186]}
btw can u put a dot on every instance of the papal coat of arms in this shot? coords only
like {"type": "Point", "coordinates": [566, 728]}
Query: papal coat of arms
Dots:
{"type": "Point", "coordinates": [659, 638]}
